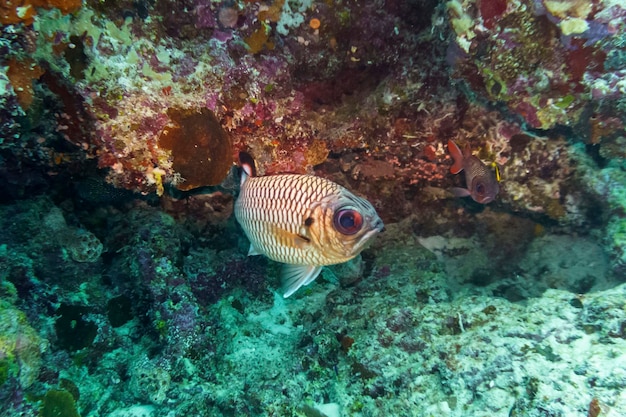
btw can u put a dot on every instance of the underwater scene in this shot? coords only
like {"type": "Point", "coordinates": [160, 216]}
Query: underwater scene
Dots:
{"type": "Point", "coordinates": [313, 208]}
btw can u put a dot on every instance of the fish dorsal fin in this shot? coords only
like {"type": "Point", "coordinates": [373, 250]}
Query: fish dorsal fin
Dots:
{"type": "Point", "coordinates": [295, 276]}
{"type": "Point", "coordinates": [247, 164]}
{"type": "Point", "coordinates": [457, 155]}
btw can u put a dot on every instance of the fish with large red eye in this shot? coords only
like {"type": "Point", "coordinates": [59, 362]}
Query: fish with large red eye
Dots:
{"type": "Point", "coordinates": [347, 221]}
{"type": "Point", "coordinates": [303, 221]}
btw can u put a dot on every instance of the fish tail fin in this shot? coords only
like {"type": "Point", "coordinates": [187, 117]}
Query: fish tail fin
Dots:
{"type": "Point", "coordinates": [247, 164]}
{"type": "Point", "coordinates": [457, 155]}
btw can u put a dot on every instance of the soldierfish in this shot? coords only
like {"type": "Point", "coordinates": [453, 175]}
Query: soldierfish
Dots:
{"type": "Point", "coordinates": [304, 221]}
{"type": "Point", "coordinates": [480, 180]}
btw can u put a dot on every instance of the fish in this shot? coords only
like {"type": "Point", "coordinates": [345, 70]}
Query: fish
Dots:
{"type": "Point", "coordinates": [304, 221]}
{"type": "Point", "coordinates": [482, 181]}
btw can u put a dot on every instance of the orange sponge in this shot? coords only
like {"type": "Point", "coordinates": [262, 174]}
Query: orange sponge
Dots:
{"type": "Point", "coordinates": [22, 74]}
{"type": "Point", "coordinates": [201, 149]}
{"type": "Point", "coordinates": [13, 12]}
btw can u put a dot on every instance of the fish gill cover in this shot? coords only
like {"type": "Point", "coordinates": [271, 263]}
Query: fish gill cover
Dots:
{"type": "Point", "coordinates": [125, 288]}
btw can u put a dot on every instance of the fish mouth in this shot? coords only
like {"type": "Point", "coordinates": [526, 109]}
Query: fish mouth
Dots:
{"type": "Point", "coordinates": [377, 228]}
{"type": "Point", "coordinates": [486, 199]}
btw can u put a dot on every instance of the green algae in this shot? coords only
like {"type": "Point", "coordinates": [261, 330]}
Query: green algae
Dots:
{"type": "Point", "coordinates": [58, 403]}
{"type": "Point", "coordinates": [20, 346]}
{"type": "Point", "coordinates": [5, 369]}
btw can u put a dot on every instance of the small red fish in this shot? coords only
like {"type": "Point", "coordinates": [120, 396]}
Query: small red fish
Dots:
{"type": "Point", "coordinates": [482, 184]}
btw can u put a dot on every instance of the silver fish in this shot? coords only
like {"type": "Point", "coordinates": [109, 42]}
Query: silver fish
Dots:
{"type": "Point", "coordinates": [480, 180]}
{"type": "Point", "coordinates": [303, 221]}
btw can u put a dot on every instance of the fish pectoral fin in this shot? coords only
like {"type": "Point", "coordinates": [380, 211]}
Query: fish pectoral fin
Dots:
{"type": "Point", "coordinates": [300, 241]}
{"type": "Point", "coordinates": [303, 237]}
{"type": "Point", "coordinates": [253, 251]}
{"type": "Point", "coordinates": [295, 276]}
{"type": "Point", "coordinates": [291, 239]}
{"type": "Point", "coordinates": [460, 192]}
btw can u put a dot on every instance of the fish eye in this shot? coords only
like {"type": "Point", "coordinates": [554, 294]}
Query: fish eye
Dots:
{"type": "Point", "coordinates": [347, 221]}
{"type": "Point", "coordinates": [480, 188]}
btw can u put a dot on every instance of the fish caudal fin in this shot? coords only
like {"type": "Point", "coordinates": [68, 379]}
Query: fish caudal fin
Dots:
{"type": "Point", "coordinates": [295, 276]}
{"type": "Point", "coordinates": [247, 164]}
{"type": "Point", "coordinates": [457, 155]}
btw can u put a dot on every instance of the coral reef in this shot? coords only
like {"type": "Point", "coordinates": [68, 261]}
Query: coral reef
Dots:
{"type": "Point", "coordinates": [607, 185]}
{"type": "Point", "coordinates": [20, 345]}
{"type": "Point", "coordinates": [456, 323]}
{"type": "Point", "coordinates": [81, 244]}
{"type": "Point", "coordinates": [546, 60]}
{"type": "Point", "coordinates": [267, 99]}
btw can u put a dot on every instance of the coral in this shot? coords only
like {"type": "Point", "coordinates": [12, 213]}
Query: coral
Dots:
{"type": "Point", "coordinates": [81, 244]}
{"type": "Point", "coordinates": [16, 12]}
{"type": "Point", "coordinates": [457, 309]}
{"type": "Point", "coordinates": [84, 246]}
{"type": "Point", "coordinates": [74, 122]}
{"type": "Point", "coordinates": [21, 74]}
{"type": "Point", "coordinates": [200, 148]}
{"type": "Point", "coordinates": [119, 310]}
{"type": "Point", "coordinates": [264, 112]}
{"type": "Point", "coordinates": [616, 236]}
{"type": "Point", "coordinates": [58, 403]}
{"type": "Point", "coordinates": [607, 186]}
{"type": "Point", "coordinates": [21, 346]}
{"type": "Point", "coordinates": [149, 382]}
{"type": "Point", "coordinates": [24, 11]}
{"type": "Point", "coordinates": [259, 40]}
{"type": "Point", "coordinates": [228, 16]}
{"type": "Point", "coordinates": [10, 112]}
{"type": "Point", "coordinates": [233, 272]}
{"type": "Point", "coordinates": [544, 59]}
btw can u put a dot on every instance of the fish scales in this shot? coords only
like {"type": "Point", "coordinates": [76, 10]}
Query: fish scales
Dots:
{"type": "Point", "coordinates": [280, 202]}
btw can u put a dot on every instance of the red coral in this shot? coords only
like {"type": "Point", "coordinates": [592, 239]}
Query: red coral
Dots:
{"type": "Point", "coordinates": [491, 11]}
{"type": "Point", "coordinates": [582, 58]}
{"type": "Point", "coordinates": [430, 153]}
{"type": "Point", "coordinates": [75, 121]}
{"type": "Point", "coordinates": [529, 113]}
